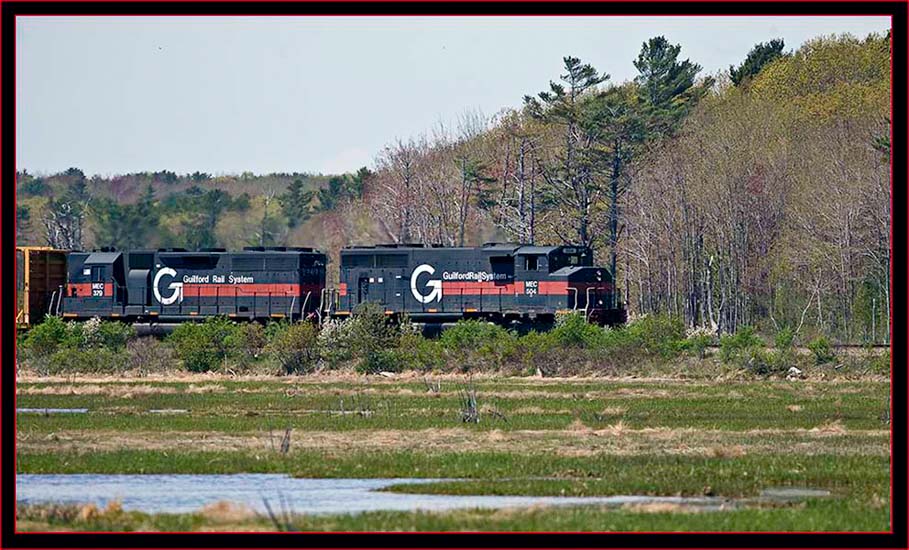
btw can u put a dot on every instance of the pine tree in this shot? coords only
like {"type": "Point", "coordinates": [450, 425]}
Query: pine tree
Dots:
{"type": "Point", "coordinates": [571, 179]}
{"type": "Point", "coordinates": [759, 56]}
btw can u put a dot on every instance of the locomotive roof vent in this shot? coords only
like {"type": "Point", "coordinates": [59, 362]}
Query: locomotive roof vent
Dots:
{"type": "Point", "coordinates": [105, 249]}
{"type": "Point", "coordinates": [254, 248]}
{"type": "Point", "coordinates": [411, 245]}
{"type": "Point", "coordinates": [277, 248]}
{"type": "Point", "coordinates": [173, 249]}
{"type": "Point", "coordinates": [300, 248]}
{"type": "Point", "coordinates": [212, 250]}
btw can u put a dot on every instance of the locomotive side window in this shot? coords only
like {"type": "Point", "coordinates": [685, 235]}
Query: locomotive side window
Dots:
{"type": "Point", "coordinates": [530, 263]}
{"type": "Point", "coordinates": [97, 274]}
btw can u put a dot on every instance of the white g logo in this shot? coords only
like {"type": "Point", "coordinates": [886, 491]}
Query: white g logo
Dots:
{"type": "Point", "coordinates": [177, 287]}
{"type": "Point", "coordinates": [436, 285]}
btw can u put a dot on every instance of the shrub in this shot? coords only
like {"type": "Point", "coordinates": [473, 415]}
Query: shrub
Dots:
{"type": "Point", "coordinates": [472, 334]}
{"type": "Point", "coordinates": [115, 335]}
{"type": "Point", "coordinates": [204, 346]}
{"type": "Point", "coordinates": [371, 330]}
{"type": "Point", "coordinates": [472, 343]}
{"type": "Point", "coordinates": [823, 352]}
{"type": "Point", "coordinates": [334, 342]}
{"type": "Point", "coordinates": [572, 330]}
{"type": "Point", "coordinates": [47, 337]}
{"type": "Point", "coordinates": [295, 349]}
{"type": "Point", "coordinates": [880, 364]}
{"type": "Point", "coordinates": [418, 353]}
{"type": "Point", "coordinates": [733, 347]}
{"type": "Point", "coordinates": [383, 360]}
{"type": "Point", "coordinates": [148, 354]}
{"type": "Point", "coordinates": [657, 334]}
{"type": "Point", "coordinates": [100, 361]}
{"type": "Point", "coordinates": [784, 338]}
{"type": "Point", "coordinates": [697, 341]}
{"type": "Point", "coordinates": [760, 362]}
{"type": "Point", "coordinates": [246, 343]}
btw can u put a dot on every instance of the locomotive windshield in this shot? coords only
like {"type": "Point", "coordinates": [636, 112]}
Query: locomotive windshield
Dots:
{"type": "Point", "coordinates": [570, 257]}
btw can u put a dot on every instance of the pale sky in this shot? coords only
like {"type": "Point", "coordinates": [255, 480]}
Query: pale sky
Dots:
{"type": "Point", "coordinates": [224, 95]}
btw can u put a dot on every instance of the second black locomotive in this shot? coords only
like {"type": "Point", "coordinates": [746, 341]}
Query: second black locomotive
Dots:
{"type": "Point", "coordinates": [499, 282]}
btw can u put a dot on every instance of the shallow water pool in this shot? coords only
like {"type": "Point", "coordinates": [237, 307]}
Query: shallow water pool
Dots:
{"type": "Point", "coordinates": [180, 493]}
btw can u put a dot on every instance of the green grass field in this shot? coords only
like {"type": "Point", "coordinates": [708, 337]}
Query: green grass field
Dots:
{"type": "Point", "coordinates": [579, 437]}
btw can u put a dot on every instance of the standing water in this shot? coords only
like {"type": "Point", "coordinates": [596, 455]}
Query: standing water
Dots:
{"type": "Point", "coordinates": [188, 493]}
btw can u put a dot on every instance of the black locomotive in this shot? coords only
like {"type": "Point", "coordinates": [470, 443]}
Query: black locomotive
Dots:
{"type": "Point", "coordinates": [502, 283]}
{"type": "Point", "coordinates": [173, 285]}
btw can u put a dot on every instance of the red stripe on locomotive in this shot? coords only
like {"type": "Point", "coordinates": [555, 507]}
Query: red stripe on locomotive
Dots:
{"type": "Point", "coordinates": [192, 290]}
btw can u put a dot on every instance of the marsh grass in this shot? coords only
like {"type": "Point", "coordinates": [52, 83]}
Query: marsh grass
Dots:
{"type": "Point", "coordinates": [665, 437]}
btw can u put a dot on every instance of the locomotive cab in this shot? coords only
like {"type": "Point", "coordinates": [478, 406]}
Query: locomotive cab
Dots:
{"type": "Point", "coordinates": [93, 282]}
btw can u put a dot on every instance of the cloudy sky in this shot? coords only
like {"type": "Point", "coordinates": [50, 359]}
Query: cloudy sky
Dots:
{"type": "Point", "coordinates": [113, 95]}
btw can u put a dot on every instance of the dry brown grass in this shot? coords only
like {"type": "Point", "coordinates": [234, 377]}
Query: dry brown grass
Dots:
{"type": "Point", "coordinates": [124, 391]}
{"type": "Point", "coordinates": [88, 512]}
{"type": "Point", "coordinates": [834, 427]}
{"type": "Point", "coordinates": [659, 508]}
{"type": "Point", "coordinates": [577, 426]}
{"type": "Point", "coordinates": [205, 388]}
{"type": "Point", "coordinates": [615, 430]}
{"type": "Point", "coordinates": [222, 512]}
{"type": "Point", "coordinates": [728, 452]}
{"type": "Point", "coordinates": [576, 440]}
{"type": "Point", "coordinates": [112, 390]}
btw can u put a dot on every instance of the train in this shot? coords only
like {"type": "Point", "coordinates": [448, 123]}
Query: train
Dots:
{"type": "Point", "coordinates": [504, 283]}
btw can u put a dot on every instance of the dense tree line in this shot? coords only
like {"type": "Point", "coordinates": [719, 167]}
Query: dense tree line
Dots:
{"type": "Point", "coordinates": [756, 197]}
{"type": "Point", "coordinates": [71, 211]}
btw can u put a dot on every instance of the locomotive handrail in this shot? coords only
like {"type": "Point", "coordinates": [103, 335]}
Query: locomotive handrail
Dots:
{"type": "Point", "coordinates": [575, 289]}
{"type": "Point", "coordinates": [50, 307]}
{"type": "Point", "coordinates": [587, 304]}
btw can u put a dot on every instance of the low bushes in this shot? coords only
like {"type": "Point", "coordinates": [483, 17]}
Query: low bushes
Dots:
{"type": "Point", "coordinates": [95, 346]}
{"type": "Point", "coordinates": [372, 342]}
{"type": "Point", "coordinates": [204, 346]}
{"type": "Point", "coordinates": [822, 351]}
{"type": "Point", "coordinates": [572, 330]}
{"type": "Point", "coordinates": [95, 361]}
{"type": "Point", "coordinates": [739, 346]}
{"type": "Point", "coordinates": [147, 355]}
{"type": "Point", "coordinates": [294, 347]}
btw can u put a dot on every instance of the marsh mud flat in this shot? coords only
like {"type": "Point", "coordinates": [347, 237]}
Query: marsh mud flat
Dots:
{"type": "Point", "coordinates": [188, 493]}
